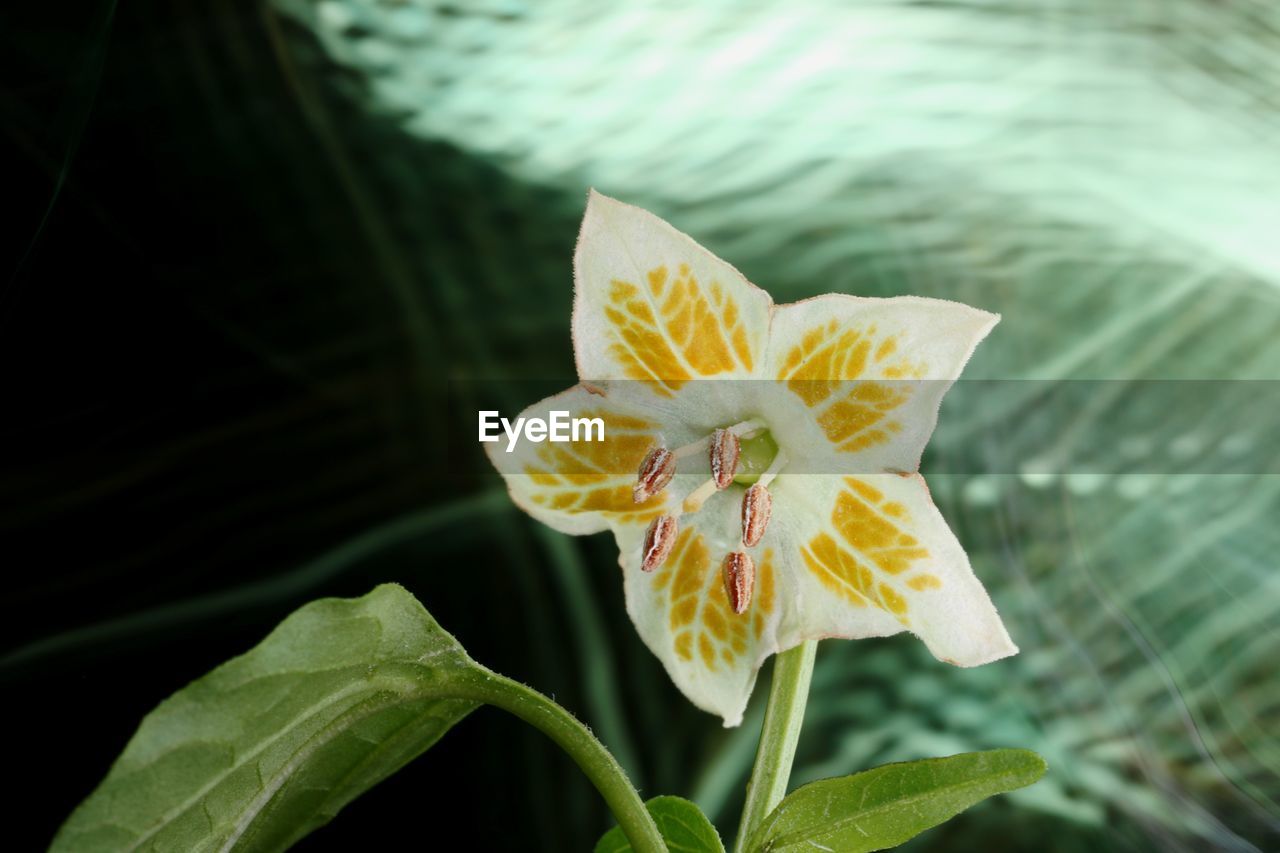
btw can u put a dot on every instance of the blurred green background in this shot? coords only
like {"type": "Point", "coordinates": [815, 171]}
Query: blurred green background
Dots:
{"type": "Point", "coordinates": [257, 255]}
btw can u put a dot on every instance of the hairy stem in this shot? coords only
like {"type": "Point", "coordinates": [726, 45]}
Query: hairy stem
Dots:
{"type": "Point", "coordinates": [574, 738]}
{"type": "Point", "coordinates": [788, 695]}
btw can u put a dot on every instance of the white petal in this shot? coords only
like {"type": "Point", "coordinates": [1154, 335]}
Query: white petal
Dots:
{"type": "Point", "coordinates": [870, 556]}
{"type": "Point", "coordinates": [682, 612]}
{"type": "Point", "coordinates": [652, 305]}
{"type": "Point", "coordinates": [866, 376]}
{"type": "Point", "coordinates": [586, 486]}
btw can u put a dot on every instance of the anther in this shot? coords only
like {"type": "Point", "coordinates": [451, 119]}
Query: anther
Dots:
{"type": "Point", "coordinates": [659, 539]}
{"type": "Point", "coordinates": [743, 428]}
{"type": "Point", "coordinates": [725, 449]}
{"type": "Point", "coordinates": [757, 507]}
{"type": "Point", "coordinates": [739, 580]}
{"type": "Point", "coordinates": [656, 471]}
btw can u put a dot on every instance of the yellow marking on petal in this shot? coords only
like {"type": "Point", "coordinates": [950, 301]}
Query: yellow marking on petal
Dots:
{"type": "Point", "coordinates": [683, 611]}
{"type": "Point", "coordinates": [922, 582]}
{"type": "Point", "coordinates": [657, 280]}
{"type": "Point", "coordinates": [731, 321]}
{"type": "Point", "coordinates": [695, 331]}
{"type": "Point", "coordinates": [596, 476]}
{"type": "Point", "coordinates": [628, 423]}
{"type": "Point", "coordinates": [715, 622]}
{"type": "Point", "coordinates": [764, 598]}
{"type": "Point", "coordinates": [865, 490]}
{"type": "Point", "coordinates": [741, 346]}
{"type": "Point", "coordinates": [708, 652]}
{"type": "Point", "coordinates": [703, 625]}
{"type": "Point", "coordinates": [886, 348]}
{"type": "Point", "coordinates": [895, 603]}
{"type": "Point", "coordinates": [874, 550]}
{"type": "Point", "coordinates": [833, 367]}
{"type": "Point", "coordinates": [837, 570]}
{"type": "Point", "coordinates": [684, 645]}
{"type": "Point", "coordinates": [873, 534]}
{"type": "Point", "coordinates": [814, 369]}
{"type": "Point", "coordinates": [689, 558]}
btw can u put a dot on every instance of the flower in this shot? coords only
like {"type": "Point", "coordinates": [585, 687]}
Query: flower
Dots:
{"type": "Point", "coordinates": [752, 516]}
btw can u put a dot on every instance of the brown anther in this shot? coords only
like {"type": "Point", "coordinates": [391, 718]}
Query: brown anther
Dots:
{"type": "Point", "coordinates": [657, 469]}
{"type": "Point", "coordinates": [725, 449]}
{"type": "Point", "coordinates": [739, 579]}
{"type": "Point", "coordinates": [757, 507]}
{"type": "Point", "coordinates": [659, 539]}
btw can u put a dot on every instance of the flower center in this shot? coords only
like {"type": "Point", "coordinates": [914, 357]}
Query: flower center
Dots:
{"type": "Point", "coordinates": [744, 453]}
{"type": "Point", "coordinates": [757, 454]}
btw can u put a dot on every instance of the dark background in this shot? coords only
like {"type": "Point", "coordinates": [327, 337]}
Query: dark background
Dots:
{"type": "Point", "coordinates": [240, 295]}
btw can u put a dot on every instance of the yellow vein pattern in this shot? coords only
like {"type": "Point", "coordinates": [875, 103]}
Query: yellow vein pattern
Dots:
{"type": "Point", "coordinates": [821, 370]}
{"type": "Point", "coordinates": [596, 476]}
{"type": "Point", "coordinates": [697, 331]}
{"type": "Point", "coordinates": [874, 557]}
{"type": "Point", "coordinates": [703, 626]}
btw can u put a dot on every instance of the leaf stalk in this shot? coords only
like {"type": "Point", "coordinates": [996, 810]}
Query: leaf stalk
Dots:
{"type": "Point", "coordinates": [574, 738]}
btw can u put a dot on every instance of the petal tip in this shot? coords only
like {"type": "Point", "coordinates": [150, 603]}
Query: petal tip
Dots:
{"type": "Point", "coordinates": [999, 649]}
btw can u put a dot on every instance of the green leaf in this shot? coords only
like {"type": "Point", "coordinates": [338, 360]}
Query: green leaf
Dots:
{"type": "Point", "coordinates": [274, 743]}
{"type": "Point", "coordinates": [683, 826]}
{"type": "Point", "coordinates": [883, 807]}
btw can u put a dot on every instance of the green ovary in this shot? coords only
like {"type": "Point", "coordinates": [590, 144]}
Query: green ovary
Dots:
{"type": "Point", "coordinates": [757, 455]}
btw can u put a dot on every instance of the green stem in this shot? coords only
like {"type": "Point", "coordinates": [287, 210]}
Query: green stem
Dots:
{"type": "Point", "coordinates": [788, 695]}
{"type": "Point", "coordinates": [574, 738]}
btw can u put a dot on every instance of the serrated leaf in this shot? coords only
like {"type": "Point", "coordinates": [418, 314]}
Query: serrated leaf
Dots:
{"type": "Point", "coordinates": [885, 806]}
{"type": "Point", "coordinates": [274, 743]}
{"type": "Point", "coordinates": [683, 826]}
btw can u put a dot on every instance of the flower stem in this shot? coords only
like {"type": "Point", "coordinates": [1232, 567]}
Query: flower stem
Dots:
{"type": "Point", "coordinates": [788, 694]}
{"type": "Point", "coordinates": [574, 738]}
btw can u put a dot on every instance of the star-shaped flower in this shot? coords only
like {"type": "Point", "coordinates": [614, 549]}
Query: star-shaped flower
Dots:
{"type": "Point", "coordinates": [752, 516]}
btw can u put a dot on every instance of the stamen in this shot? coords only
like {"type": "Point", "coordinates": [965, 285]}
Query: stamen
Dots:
{"type": "Point", "coordinates": [739, 580]}
{"type": "Point", "coordinates": [740, 430]}
{"type": "Point", "coordinates": [725, 449]}
{"type": "Point", "coordinates": [690, 449]}
{"type": "Point", "coordinates": [757, 507]}
{"type": "Point", "coordinates": [659, 539]}
{"type": "Point", "coordinates": [656, 471]}
{"type": "Point", "coordinates": [746, 428]}
{"type": "Point", "coordinates": [699, 496]}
